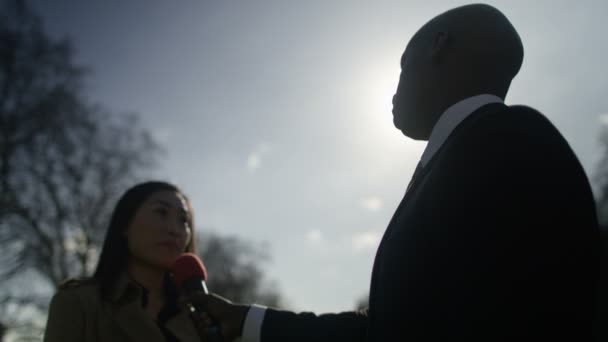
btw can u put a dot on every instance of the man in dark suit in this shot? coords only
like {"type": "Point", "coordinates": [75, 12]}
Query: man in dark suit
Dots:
{"type": "Point", "coordinates": [496, 238]}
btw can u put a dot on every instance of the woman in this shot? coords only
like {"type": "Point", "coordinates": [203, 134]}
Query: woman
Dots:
{"type": "Point", "coordinates": [131, 296]}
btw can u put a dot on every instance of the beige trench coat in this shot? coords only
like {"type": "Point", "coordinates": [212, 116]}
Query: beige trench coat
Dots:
{"type": "Point", "coordinates": [78, 313]}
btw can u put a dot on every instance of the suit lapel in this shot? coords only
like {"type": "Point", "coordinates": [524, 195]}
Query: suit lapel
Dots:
{"type": "Point", "coordinates": [132, 319]}
{"type": "Point", "coordinates": [416, 182]}
{"type": "Point", "coordinates": [418, 177]}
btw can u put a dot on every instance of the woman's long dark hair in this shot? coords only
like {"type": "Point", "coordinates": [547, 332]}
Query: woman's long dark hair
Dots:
{"type": "Point", "coordinates": [114, 253]}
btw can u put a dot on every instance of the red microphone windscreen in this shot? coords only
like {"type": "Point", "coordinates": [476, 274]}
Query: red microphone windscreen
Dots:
{"type": "Point", "coordinates": [187, 266]}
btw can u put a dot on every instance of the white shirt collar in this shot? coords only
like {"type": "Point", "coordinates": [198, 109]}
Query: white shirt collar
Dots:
{"type": "Point", "coordinates": [448, 121]}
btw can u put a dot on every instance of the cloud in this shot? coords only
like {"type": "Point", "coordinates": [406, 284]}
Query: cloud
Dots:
{"type": "Point", "coordinates": [365, 241]}
{"type": "Point", "coordinates": [314, 236]}
{"type": "Point", "coordinates": [254, 161]}
{"type": "Point", "coordinates": [603, 119]}
{"type": "Point", "coordinates": [372, 203]}
{"type": "Point", "coordinates": [255, 157]}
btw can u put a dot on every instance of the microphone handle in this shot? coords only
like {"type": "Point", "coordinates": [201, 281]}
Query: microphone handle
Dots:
{"type": "Point", "coordinates": [214, 332]}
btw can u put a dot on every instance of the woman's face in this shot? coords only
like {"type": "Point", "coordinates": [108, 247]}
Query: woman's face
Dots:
{"type": "Point", "coordinates": [159, 231]}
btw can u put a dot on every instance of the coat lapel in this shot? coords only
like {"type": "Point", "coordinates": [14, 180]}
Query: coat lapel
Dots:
{"type": "Point", "coordinates": [182, 327]}
{"type": "Point", "coordinates": [132, 319]}
{"type": "Point", "coordinates": [128, 314]}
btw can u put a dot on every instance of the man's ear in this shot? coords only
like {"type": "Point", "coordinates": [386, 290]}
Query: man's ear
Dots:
{"type": "Point", "coordinates": [439, 48]}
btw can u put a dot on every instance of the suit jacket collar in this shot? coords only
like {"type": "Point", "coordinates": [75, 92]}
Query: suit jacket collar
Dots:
{"type": "Point", "coordinates": [450, 119]}
{"type": "Point", "coordinates": [416, 181]}
{"type": "Point", "coordinates": [462, 125]}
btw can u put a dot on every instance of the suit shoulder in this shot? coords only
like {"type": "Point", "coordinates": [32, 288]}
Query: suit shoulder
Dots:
{"type": "Point", "coordinates": [529, 114]}
{"type": "Point", "coordinates": [523, 135]}
{"type": "Point", "coordinates": [523, 109]}
{"type": "Point", "coordinates": [517, 124]}
{"type": "Point", "coordinates": [508, 117]}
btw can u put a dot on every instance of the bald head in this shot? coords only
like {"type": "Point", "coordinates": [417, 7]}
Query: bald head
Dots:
{"type": "Point", "coordinates": [463, 52]}
{"type": "Point", "coordinates": [481, 39]}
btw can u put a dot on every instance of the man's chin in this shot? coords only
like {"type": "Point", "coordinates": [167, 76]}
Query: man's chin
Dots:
{"type": "Point", "coordinates": [410, 133]}
{"type": "Point", "coordinates": [396, 122]}
{"type": "Point", "coordinates": [400, 126]}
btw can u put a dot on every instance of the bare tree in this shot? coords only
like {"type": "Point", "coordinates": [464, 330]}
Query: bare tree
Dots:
{"type": "Point", "coordinates": [362, 302]}
{"type": "Point", "coordinates": [235, 269]}
{"type": "Point", "coordinates": [601, 179]}
{"type": "Point", "coordinates": [63, 162]}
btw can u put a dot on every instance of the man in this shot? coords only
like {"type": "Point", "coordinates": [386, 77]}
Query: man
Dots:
{"type": "Point", "coordinates": [496, 238]}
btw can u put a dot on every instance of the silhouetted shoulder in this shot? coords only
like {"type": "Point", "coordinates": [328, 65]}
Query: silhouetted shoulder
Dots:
{"type": "Point", "coordinates": [519, 139]}
{"type": "Point", "coordinates": [510, 116]}
{"type": "Point", "coordinates": [523, 109]}
{"type": "Point", "coordinates": [516, 125]}
{"type": "Point", "coordinates": [535, 126]}
{"type": "Point", "coordinates": [529, 114]}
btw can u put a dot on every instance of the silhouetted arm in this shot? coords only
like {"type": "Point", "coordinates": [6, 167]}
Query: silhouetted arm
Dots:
{"type": "Point", "coordinates": [306, 326]}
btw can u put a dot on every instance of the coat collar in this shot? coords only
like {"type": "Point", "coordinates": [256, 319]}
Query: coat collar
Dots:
{"type": "Point", "coordinates": [125, 286]}
{"type": "Point", "coordinates": [129, 314]}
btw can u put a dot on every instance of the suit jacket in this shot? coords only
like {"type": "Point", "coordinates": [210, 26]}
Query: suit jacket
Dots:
{"type": "Point", "coordinates": [496, 239]}
{"type": "Point", "coordinates": [79, 313]}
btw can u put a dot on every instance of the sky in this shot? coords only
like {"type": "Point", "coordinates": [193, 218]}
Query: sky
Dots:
{"type": "Point", "coordinates": [276, 115]}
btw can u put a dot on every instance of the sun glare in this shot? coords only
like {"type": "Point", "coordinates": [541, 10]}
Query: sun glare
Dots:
{"type": "Point", "coordinates": [376, 132]}
{"type": "Point", "coordinates": [378, 85]}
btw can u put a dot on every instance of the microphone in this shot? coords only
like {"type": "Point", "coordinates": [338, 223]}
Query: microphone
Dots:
{"type": "Point", "coordinates": [190, 275]}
